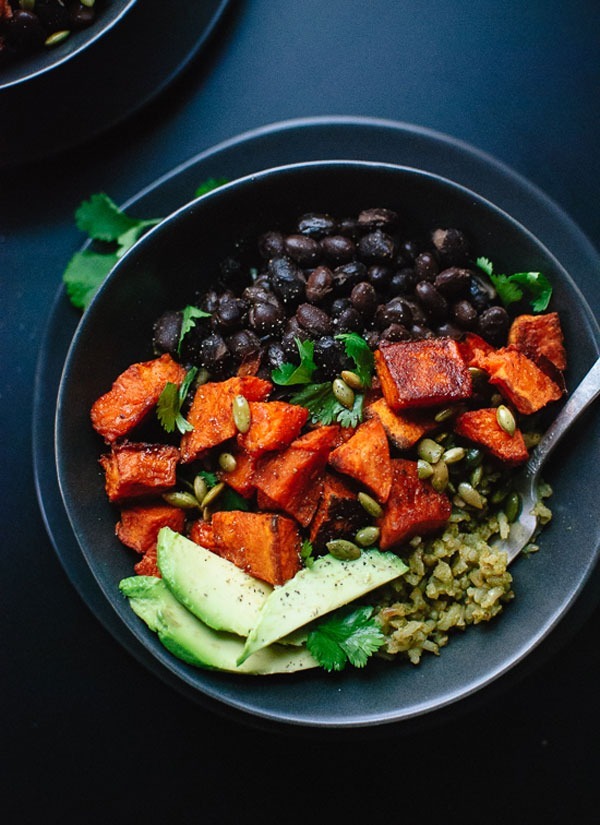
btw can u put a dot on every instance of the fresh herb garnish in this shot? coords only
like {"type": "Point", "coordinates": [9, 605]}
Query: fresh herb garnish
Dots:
{"type": "Point", "coordinates": [306, 553]}
{"type": "Point", "coordinates": [188, 321]}
{"type": "Point", "coordinates": [288, 374]}
{"type": "Point", "coordinates": [324, 407]}
{"type": "Point", "coordinates": [350, 635]}
{"type": "Point", "coordinates": [105, 223]}
{"type": "Point", "coordinates": [509, 289]}
{"type": "Point", "coordinates": [171, 401]}
{"type": "Point", "coordinates": [211, 479]}
{"type": "Point", "coordinates": [360, 352]}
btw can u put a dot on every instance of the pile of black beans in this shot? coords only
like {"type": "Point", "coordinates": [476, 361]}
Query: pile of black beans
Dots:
{"type": "Point", "coordinates": [29, 26]}
{"type": "Point", "coordinates": [329, 276]}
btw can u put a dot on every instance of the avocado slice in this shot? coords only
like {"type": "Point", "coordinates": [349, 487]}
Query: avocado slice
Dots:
{"type": "Point", "coordinates": [214, 589]}
{"type": "Point", "coordinates": [314, 591]}
{"type": "Point", "coordinates": [191, 640]}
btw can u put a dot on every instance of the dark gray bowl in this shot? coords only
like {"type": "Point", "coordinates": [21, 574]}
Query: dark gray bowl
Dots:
{"type": "Point", "coordinates": [163, 271]}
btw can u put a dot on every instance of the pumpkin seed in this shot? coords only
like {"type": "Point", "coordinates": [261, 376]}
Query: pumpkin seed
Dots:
{"type": "Point", "coordinates": [443, 415]}
{"type": "Point", "coordinates": [476, 373]}
{"type": "Point", "coordinates": [88, 3]}
{"type": "Point", "coordinates": [424, 469]}
{"type": "Point", "coordinates": [476, 476]}
{"type": "Point", "coordinates": [343, 393]}
{"type": "Point", "coordinates": [506, 419]}
{"type": "Point", "coordinates": [352, 379]}
{"type": "Point", "coordinates": [56, 37]}
{"type": "Point", "coordinates": [512, 508]}
{"type": "Point", "coordinates": [181, 499]}
{"type": "Point", "coordinates": [367, 536]}
{"type": "Point", "coordinates": [202, 376]}
{"type": "Point", "coordinates": [429, 450]}
{"type": "Point", "coordinates": [212, 494]}
{"type": "Point", "coordinates": [343, 550]}
{"type": "Point", "coordinates": [241, 413]}
{"type": "Point", "coordinates": [227, 462]}
{"type": "Point", "coordinates": [369, 504]}
{"type": "Point", "coordinates": [470, 495]}
{"type": "Point", "coordinates": [439, 478]}
{"type": "Point", "coordinates": [200, 487]}
{"type": "Point", "coordinates": [453, 455]}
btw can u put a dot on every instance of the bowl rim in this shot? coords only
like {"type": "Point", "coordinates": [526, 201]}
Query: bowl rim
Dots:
{"type": "Point", "coordinates": [213, 691]}
{"type": "Point", "coordinates": [19, 73]}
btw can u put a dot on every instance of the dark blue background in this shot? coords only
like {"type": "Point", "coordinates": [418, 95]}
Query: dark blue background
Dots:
{"type": "Point", "coordinates": [86, 731]}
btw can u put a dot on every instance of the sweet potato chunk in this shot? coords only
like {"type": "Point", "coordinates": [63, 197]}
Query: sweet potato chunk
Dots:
{"type": "Point", "coordinates": [414, 508]}
{"type": "Point", "coordinates": [134, 393]}
{"type": "Point", "coordinates": [292, 480]}
{"type": "Point", "coordinates": [539, 337]}
{"type": "Point", "coordinates": [139, 525]}
{"type": "Point", "coordinates": [202, 532]}
{"type": "Point", "coordinates": [422, 373]}
{"type": "Point", "coordinates": [274, 425]}
{"type": "Point", "coordinates": [134, 470]}
{"type": "Point", "coordinates": [242, 478]}
{"type": "Point", "coordinates": [339, 514]}
{"type": "Point", "coordinates": [520, 380]}
{"type": "Point", "coordinates": [473, 349]}
{"type": "Point", "coordinates": [211, 412]}
{"type": "Point", "coordinates": [481, 426]}
{"type": "Point", "coordinates": [320, 440]}
{"type": "Point", "coordinates": [148, 564]}
{"type": "Point", "coordinates": [366, 457]}
{"type": "Point", "coordinates": [403, 430]}
{"type": "Point", "coordinates": [265, 545]}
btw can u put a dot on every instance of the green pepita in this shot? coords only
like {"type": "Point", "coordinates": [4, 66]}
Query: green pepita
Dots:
{"type": "Point", "coordinates": [212, 494]}
{"type": "Point", "coordinates": [181, 499]}
{"type": "Point", "coordinates": [367, 536]}
{"type": "Point", "coordinates": [506, 419]}
{"type": "Point", "coordinates": [56, 37]}
{"type": "Point", "coordinates": [343, 393]}
{"type": "Point", "coordinates": [343, 550]}
{"type": "Point", "coordinates": [443, 415]}
{"type": "Point", "coordinates": [200, 487]}
{"type": "Point", "coordinates": [439, 478]}
{"type": "Point", "coordinates": [429, 450]}
{"type": "Point", "coordinates": [227, 462]}
{"type": "Point", "coordinates": [352, 379]}
{"type": "Point", "coordinates": [470, 495]}
{"type": "Point", "coordinates": [512, 507]}
{"type": "Point", "coordinates": [241, 413]}
{"type": "Point", "coordinates": [424, 469]}
{"type": "Point", "coordinates": [453, 455]}
{"type": "Point", "coordinates": [372, 507]}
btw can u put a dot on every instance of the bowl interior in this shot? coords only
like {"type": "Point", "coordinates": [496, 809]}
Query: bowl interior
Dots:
{"type": "Point", "coordinates": [44, 60]}
{"type": "Point", "coordinates": [182, 255]}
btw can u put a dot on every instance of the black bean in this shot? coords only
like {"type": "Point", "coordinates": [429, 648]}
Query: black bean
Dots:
{"type": "Point", "coordinates": [433, 302]}
{"type": "Point", "coordinates": [372, 337]}
{"type": "Point", "coordinates": [214, 354]}
{"type": "Point", "coordinates": [316, 225]}
{"type": "Point", "coordinates": [338, 306]}
{"type": "Point", "coordinates": [453, 281]}
{"type": "Point", "coordinates": [349, 320]}
{"type": "Point", "coordinates": [275, 354]}
{"type": "Point", "coordinates": [493, 324]}
{"type": "Point", "coordinates": [395, 311]}
{"type": "Point", "coordinates": [465, 314]}
{"type": "Point", "coordinates": [349, 227]}
{"type": "Point", "coordinates": [271, 245]}
{"type": "Point", "coordinates": [338, 249]}
{"type": "Point", "coordinates": [231, 311]}
{"type": "Point", "coordinates": [313, 319]}
{"type": "Point", "coordinates": [81, 16]}
{"type": "Point", "coordinates": [377, 246]}
{"type": "Point", "coordinates": [287, 280]}
{"type": "Point", "coordinates": [378, 219]}
{"type": "Point", "coordinates": [403, 281]}
{"type": "Point", "coordinates": [24, 30]}
{"type": "Point", "coordinates": [348, 275]}
{"type": "Point", "coordinates": [395, 332]}
{"type": "Point", "coordinates": [452, 246]}
{"type": "Point", "coordinates": [417, 312]}
{"type": "Point", "coordinates": [409, 251]}
{"type": "Point", "coordinates": [319, 284]}
{"type": "Point", "coordinates": [380, 276]}
{"type": "Point", "coordinates": [449, 330]}
{"type": "Point", "coordinates": [167, 330]}
{"type": "Point", "coordinates": [421, 331]}
{"type": "Point", "coordinates": [481, 292]}
{"type": "Point", "coordinates": [364, 298]}
{"type": "Point", "coordinates": [302, 249]}
{"type": "Point", "coordinates": [329, 354]}
{"type": "Point", "coordinates": [243, 343]}
{"type": "Point", "coordinates": [426, 266]}
{"type": "Point", "coordinates": [266, 317]}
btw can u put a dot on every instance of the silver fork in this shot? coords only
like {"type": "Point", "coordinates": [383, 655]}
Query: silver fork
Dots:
{"type": "Point", "coordinates": [526, 482]}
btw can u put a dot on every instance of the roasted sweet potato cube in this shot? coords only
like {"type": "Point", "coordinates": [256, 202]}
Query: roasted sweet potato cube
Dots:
{"type": "Point", "coordinates": [414, 508]}
{"type": "Point", "coordinates": [366, 457]}
{"type": "Point", "coordinates": [242, 478]}
{"type": "Point", "coordinates": [274, 425]}
{"type": "Point", "coordinates": [265, 545]}
{"type": "Point", "coordinates": [540, 337]}
{"type": "Point", "coordinates": [320, 440]}
{"type": "Point", "coordinates": [402, 429]}
{"type": "Point", "coordinates": [481, 426]}
{"type": "Point", "coordinates": [202, 532]}
{"type": "Point", "coordinates": [138, 525]}
{"type": "Point", "coordinates": [134, 470]}
{"type": "Point", "coordinates": [339, 514]}
{"type": "Point", "coordinates": [148, 564]}
{"type": "Point", "coordinates": [422, 373]}
{"type": "Point", "coordinates": [134, 393]}
{"type": "Point", "coordinates": [292, 480]}
{"type": "Point", "coordinates": [211, 413]}
{"type": "Point", "coordinates": [520, 380]}
{"type": "Point", "coordinates": [473, 349]}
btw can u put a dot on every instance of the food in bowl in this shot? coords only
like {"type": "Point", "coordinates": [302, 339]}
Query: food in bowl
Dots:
{"type": "Point", "coordinates": [29, 26]}
{"type": "Point", "coordinates": [340, 421]}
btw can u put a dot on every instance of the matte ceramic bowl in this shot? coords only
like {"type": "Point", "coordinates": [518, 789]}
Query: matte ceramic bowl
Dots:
{"type": "Point", "coordinates": [181, 255]}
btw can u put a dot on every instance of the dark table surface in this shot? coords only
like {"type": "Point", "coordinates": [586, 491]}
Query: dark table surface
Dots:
{"type": "Point", "coordinates": [88, 733]}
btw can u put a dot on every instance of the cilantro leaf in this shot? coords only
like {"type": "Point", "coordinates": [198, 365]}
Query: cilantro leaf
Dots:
{"type": "Point", "coordinates": [230, 499]}
{"type": "Point", "coordinates": [171, 401]}
{"type": "Point", "coordinates": [188, 321]}
{"type": "Point", "coordinates": [288, 374]}
{"type": "Point", "coordinates": [101, 219]}
{"type": "Point", "coordinates": [357, 348]}
{"type": "Point", "coordinates": [210, 184]}
{"type": "Point", "coordinates": [306, 553]}
{"type": "Point", "coordinates": [350, 635]}
{"type": "Point", "coordinates": [84, 273]}
{"type": "Point", "coordinates": [211, 479]}
{"type": "Point", "coordinates": [352, 417]}
{"type": "Point", "coordinates": [324, 407]}
{"type": "Point", "coordinates": [509, 289]}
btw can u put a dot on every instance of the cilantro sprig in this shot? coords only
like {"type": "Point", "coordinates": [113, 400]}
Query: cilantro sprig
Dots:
{"type": "Point", "coordinates": [360, 352]}
{"type": "Point", "coordinates": [350, 635]}
{"type": "Point", "coordinates": [188, 322]}
{"type": "Point", "coordinates": [288, 374]}
{"type": "Point", "coordinates": [509, 288]}
{"type": "Point", "coordinates": [170, 402]}
{"type": "Point", "coordinates": [324, 408]}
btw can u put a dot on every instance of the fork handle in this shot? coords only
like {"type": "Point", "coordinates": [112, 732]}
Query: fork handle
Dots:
{"type": "Point", "coordinates": [585, 393]}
